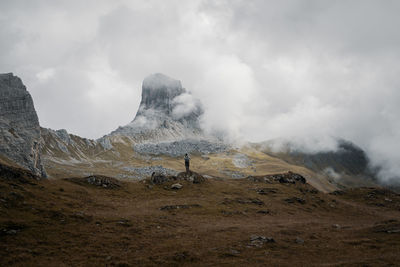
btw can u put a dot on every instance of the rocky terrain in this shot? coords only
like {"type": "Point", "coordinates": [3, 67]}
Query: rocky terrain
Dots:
{"type": "Point", "coordinates": [124, 200]}
{"type": "Point", "coordinates": [273, 220]}
{"type": "Point", "coordinates": [179, 148]}
{"type": "Point", "coordinates": [20, 138]}
{"type": "Point", "coordinates": [348, 165]}
{"type": "Point", "coordinates": [167, 112]}
{"type": "Point", "coordinates": [166, 127]}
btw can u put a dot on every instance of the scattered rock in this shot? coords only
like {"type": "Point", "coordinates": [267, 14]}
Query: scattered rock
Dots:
{"type": "Point", "coordinates": [259, 241]}
{"type": "Point", "coordinates": [183, 257]}
{"type": "Point", "coordinates": [97, 180]}
{"type": "Point", "coordinates": [266, 191]}
{"type": "Point", "coordinates": [338, 193]}
{"type": "Point", "coordinates": [286, 178]}
{"type": "Point", "coordinates": [11, 232]}
{"type": "Point", "coordinates": [255, 201]}
{"type": "Point", "coordinates": [176, 186]}
{"type": "Point", "coordinates": [336, 226]}
{"type": "Point", "coordinates": [124, 222]}
{"type": "Point", "coordinates": [299, 240]}
{"type": "Point", "coordinates": [103, 181]}
{"type": "Point", "coordinates": [191, 177]}
{"type": "Point", "coordinates": [158, 178]}
{"type": "Point", "coordinates": [295, 199]}
{"type": "Point", "coordinates": [308, 190]}
{"type": "Point", "coordinates": [291, 178]}
{"type": "Point", "coordinates": [230, 213]}
{"type": "Point", "coordinates": [264, 212]}
{"type": "Point", "coordinates": [232, 253]}
{"type": "Point", "coordinates": [179, 148]}
{"type": "Point", "coordinates": [11, 228]}
{"type": "Point", "coordinates": [143, 172]}
{"type": "Point", "coordinates": [233, 174]}
{"type": "Point", "coordinates": [80, 216]}
{"type": "Point", "coordinates": [389, 226]}
{"type": "Point", "coordinates": [177, 207]}
{"type": "Point", "coordinates": [241, 161]}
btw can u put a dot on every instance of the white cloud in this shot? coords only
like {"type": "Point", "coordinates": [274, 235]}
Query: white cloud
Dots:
{"type": "Point", "coordinates": [303, 70]}
{"type": "Point", "coordinates": [46, 74]}
{"type": "Point", "coordinates": [184, 105]}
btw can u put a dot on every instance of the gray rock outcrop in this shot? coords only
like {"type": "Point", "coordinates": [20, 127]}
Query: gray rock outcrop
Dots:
{"type": "Point", "coordinates": [167, 111]}
{"type": "Point", "coordinates": [19, 125]}
{"type": "Point", "coordinates": [179, 148]}
{"type": "Point", "coordinates": [168, 121]}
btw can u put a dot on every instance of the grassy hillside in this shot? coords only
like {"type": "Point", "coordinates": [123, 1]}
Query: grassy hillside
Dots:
{"type": "Point", "coordinates": [69, 155]}
{"type": "Point", "coordinates": [233, 222]}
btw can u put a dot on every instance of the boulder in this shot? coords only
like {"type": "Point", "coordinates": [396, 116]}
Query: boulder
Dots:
{"type": "Point", "coordinates": [97, 180]}
{"type": "Point", "coordinates": [259, 241]}
{"type": "Point", "coordinates": [102, 181]}
{"type": "Point", "coordinates": [176, 186]}
{"type": "Point", "coordinates": [158, 178]}
{"type": "Point", "coordinates": [191, 176]}
{"type": "Point", "coordinates": [283, 178]}
{"type": "Point", "coordinates": [295, 200]}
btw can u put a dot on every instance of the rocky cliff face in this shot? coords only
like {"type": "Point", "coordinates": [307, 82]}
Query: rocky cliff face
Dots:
{"type": "Point", "coordinates": [20, 138]}
{"type": "Point", "coordinates": [167, 112]}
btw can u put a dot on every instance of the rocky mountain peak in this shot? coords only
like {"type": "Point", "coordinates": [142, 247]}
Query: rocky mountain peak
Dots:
{"type": "Point", "coordinates": [159, 81]}
{"type": "Point", "coordinates": [20, 138]}
{"type": "Point", "coordinates": [8, 79]}
{"type": "Point", "coordinates": [158, 93]}
{"type": "Point", "coordinates": [167, 111]}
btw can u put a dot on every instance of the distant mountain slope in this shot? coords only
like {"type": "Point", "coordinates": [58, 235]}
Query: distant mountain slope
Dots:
{"type": "Point", "coordinates": [347, 165]}
{"type": "Point", "coordinates": [166, 126]}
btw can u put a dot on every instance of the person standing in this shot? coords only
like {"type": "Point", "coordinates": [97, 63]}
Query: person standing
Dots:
{"type": "Point", "coordinates": [187, 160]}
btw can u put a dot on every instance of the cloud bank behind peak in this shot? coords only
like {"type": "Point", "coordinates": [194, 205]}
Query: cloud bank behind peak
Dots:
{"type": "Point", "coordinates": [301, 70]}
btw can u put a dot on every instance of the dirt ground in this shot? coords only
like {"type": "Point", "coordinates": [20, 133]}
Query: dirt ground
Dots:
{"type": "Point", "coordinates": [69, 222]}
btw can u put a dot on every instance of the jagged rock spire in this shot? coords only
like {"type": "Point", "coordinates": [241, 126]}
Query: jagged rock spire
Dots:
{"type": "Point", "coordinates": [158, 93]}
{"type": "Point", "coordinates": [167, 111]}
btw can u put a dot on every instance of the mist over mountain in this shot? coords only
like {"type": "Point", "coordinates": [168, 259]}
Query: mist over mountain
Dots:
{"type": "Point", "coordinates": [159, 131]}
{"type": "Point", "coordinates": [309, 72]}
{"type": "Point", "coordinates": [167, 111]}
{"type": "Point", "coordinates": [200, 132]}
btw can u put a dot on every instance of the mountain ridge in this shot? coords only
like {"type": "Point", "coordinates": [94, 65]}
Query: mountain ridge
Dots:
{"type": "Point", "coordinates": [166, 126]}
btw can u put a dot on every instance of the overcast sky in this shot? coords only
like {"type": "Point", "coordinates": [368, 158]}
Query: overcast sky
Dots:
{"type": "Point", "coordinates": [303, 70]}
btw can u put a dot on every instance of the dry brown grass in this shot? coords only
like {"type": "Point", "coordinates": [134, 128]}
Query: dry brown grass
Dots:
{"type": "Point", "coordinates": [62, 223]}
{"type": "Point", "coordinates": [110, 163]}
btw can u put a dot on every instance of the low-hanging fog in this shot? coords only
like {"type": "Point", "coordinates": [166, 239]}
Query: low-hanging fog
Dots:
{"type": "Point", "coordinates": [307, 71]}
